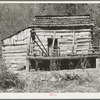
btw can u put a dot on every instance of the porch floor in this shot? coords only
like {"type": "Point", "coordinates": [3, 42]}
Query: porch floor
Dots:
{"type": "Point", "coordinates": [60, 57]}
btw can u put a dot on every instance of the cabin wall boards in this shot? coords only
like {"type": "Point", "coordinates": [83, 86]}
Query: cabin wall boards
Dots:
{"type": "Point", "coordinates": [66, 40]}
{"type": "Point", "coordinates": [14, 49]}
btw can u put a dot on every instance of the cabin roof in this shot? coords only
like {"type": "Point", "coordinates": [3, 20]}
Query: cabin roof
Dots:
{"type": "Point", "coordinates": [62, 21]}
{"type": "Point", "coordinates": [59, 21]}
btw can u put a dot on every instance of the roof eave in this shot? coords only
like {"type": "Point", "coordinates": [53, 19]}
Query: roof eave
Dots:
{"type": "Point", "coordinates": [74, 25]}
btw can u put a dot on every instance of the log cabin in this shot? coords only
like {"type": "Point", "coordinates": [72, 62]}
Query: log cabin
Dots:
{"type": "Point", "coordinates": [51, 42]}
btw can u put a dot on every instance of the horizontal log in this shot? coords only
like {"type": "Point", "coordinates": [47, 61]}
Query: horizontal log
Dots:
{"type": "Point", "coordinates": [65, 48]}
{"type": "Point", "coordinates": [78, 38]}
{"type": "Point", "coordinates": [64, 30]}
{"type": "Point", "coordinates": [65, 52]}
{"type": "Point", "coordinates": [82, 41]}
{"type": "Point", "coordinates": [17, 45]}
{"type": "Point", "coordinates": [82, 53]}
{"type": "Point", "coordinates": [14, 54]}
{"type": "Point", "coordinates": [44, 33]}
{"type": "Point", "coordinates": [87, 49]}
{"type": "Point", "coordinates": [12, 44]}
{"type": "Point", "coordinates": [65, 45]}
{"type": "Point", "coordinates": [15, 62]}
{"type": "Point", "coordinates": [65, 42]}
{"type": "Point", "coordinates": [15, 48]}
{"type": "Point", "coordinates": [83, 44]}
{"type": "Point", "coordinates": [85, 39]}
{"type": "Point", "coordinates": [67, 57]}
{"type": "Point", "coordinates": [15, 57]}
{"type": "Point", "coordinates": [62, 36]}
{"type": "Point", "coordinates": [81, 49]}
{"type": "Point", "coordinates": [57, 35]}
{"type": "Point", "coordinates": [14, 51]}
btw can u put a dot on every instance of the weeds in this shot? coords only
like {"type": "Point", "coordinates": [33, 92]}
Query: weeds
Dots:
{"type": "Point", "coordinates": [9, 80]}
{"type": "Point", "coordinates": [81, 78]}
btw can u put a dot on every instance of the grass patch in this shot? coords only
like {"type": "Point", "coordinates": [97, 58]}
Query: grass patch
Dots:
{"type": "Point", "coordinates": [9, 80]}
{"type": "Point", "coordinates": [60, 82]}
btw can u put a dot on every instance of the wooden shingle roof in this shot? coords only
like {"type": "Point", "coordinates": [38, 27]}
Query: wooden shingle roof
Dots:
{"type": "Point", "coordinates": [62, 21]}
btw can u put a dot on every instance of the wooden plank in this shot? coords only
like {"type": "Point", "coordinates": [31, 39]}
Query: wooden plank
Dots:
{"type": "Point", "coordinates": [15, 62]}
{"type": "Point", "coordinates": [22, 39]}
{"type": "Point", "coordinates": [57, 35]}
{"type": "Point", "coordinates": [14, 54]}
{"type": "Point", "coordinates": [66, 48]}
{"type": "Point", "coordinates": [65, 17]}
{"type": "Point", "coordinates": [82, 41]}
{"type": "Point", "coordinates": [68, 57]}
{"type": "Point", "coordinates": [83, 34]}
{"type": "Point", "coordinates": [65, 34]}
{"type": "Point", "coordinates": [82, 49]}
{"type": "Point", "coordinates": [66, 42]}
{"type": "Point", "coordinates": [14, 47]}
{"type": "Point", "coordinates": [15, 57]}
{"type": "Point", "coordinates": [14, 51]}
{"type": "Point", "coordinates": [83, 44]}
{"type": "Point", "coordinates": [64, 30]}
{"type": "Point", "coordinates": [78, 38]}
{"type": "Point", "coordinates": [82, 53]}
{"type": "Point", "coordinates": [4, 45]}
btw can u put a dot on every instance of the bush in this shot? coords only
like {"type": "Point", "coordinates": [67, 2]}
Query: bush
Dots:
{"type": "Point", "coordinates": [9, 79]}
{"type": "Point", "coordinates": [80, 77]}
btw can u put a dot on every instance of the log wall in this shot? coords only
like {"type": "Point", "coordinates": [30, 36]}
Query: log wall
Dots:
{"type": "Point", "coordinates": [14, 49]}
{"type": "Point", "coordinates": [79, 40]}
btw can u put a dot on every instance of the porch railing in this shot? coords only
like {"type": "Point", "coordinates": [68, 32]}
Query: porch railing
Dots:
{"type": "Point", "coordinates": [57, 52]}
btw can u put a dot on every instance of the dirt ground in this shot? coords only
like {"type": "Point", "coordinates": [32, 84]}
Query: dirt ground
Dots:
{"type": "Point", "coordinates": [63, 81]}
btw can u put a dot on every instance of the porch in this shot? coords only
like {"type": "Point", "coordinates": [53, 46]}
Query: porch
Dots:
{"type": "Point", "coordinates": [68, 62]}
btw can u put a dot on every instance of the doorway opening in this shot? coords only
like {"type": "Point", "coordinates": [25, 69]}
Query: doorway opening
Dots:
{"type": "Point", "coordinates": [55, 50]}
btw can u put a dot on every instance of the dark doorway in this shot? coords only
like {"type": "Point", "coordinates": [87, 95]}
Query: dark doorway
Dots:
{"type": "Point", "coordinates": [50, 41]}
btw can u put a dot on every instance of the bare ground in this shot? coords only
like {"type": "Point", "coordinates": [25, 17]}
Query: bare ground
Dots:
{"type": "Point", "coordinates": [87, 80]}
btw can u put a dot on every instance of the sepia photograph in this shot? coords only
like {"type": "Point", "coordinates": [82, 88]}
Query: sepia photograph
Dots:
{"type": "Point", "coordinates": [50, 48]}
